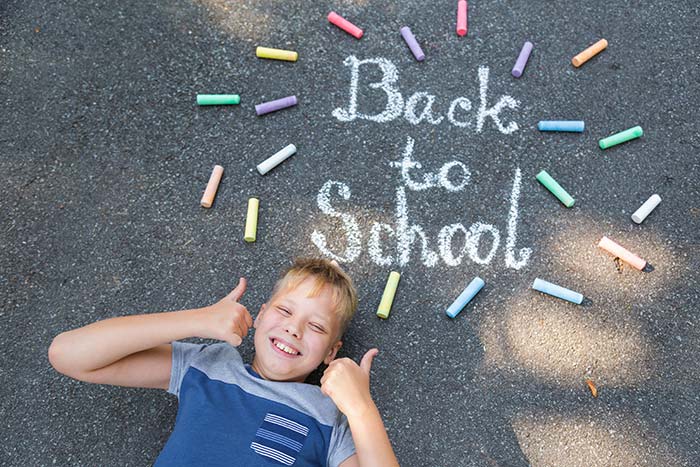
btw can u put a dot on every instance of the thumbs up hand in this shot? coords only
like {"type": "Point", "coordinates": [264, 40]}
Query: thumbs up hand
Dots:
{"type": "Point", "coordinates": [227, 320]}
{"type": "Point", "coordinates": [347, 384]}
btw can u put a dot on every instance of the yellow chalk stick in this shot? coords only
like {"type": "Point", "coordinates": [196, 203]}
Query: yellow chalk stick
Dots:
{"type": "Point", "coordinates": [251, 222]}
{"type": "Point", "coordinates": [589, 53]}
{"type": "Point", "coordinates": [212, 186]}
{"type": "Point", "coordinates": [276, 54]}
{"type": "Point", "coordinates": [388, 295]}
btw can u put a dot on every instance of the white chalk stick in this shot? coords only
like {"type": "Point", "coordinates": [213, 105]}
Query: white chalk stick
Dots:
{"type": "Point", "coordinates": [275, 160]}
{"type": "Point", "coordinates": [646, 208]}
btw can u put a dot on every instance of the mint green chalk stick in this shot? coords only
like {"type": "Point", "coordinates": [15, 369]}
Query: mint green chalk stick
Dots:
{"type": "Point", "coordinates": [556, 189]}
{"type": "Point", "coordinates": [218, 99]}
{"type": "Point", "coordinates": [621, 137]}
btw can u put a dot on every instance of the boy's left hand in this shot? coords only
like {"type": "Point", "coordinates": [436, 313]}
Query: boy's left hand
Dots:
{"type": "Point", "coordinates": [347, 384]}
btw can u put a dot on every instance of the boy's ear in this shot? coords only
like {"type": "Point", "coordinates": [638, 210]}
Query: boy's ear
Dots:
{"type": "Point", "coordinates": [334, 350]}
{"type": "Point", "coordinates": [262, 308]}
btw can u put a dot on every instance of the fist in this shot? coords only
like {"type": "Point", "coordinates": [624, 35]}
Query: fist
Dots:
{"type": "Point", "coordinates": [347, 384]}
{"type": "Point", "coordinates": [227, 320]}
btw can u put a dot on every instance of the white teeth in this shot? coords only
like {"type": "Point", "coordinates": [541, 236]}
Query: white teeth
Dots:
{"type": "Point", "coordinates": [283, 347]}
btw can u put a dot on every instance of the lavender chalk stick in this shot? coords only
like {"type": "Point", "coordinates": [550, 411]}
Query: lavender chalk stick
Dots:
{"type": "Point", "coordinates": [522, 59]}
{"type": "Point", "coordinates": [267, 107]}
{"type": "Point", "coordinates": [412, 43]}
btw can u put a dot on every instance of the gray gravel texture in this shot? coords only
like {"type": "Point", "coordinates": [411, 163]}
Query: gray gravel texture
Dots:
{"type": "Point", "coordinates": [104, 157]}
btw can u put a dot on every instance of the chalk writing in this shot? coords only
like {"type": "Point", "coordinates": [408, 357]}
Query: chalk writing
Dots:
{"type": "Point", "coordinates": [424, 101]}
{"type": "Point", "coordinates": [354, 237]}
{"type": "Point", "coordinates": [407, 234]}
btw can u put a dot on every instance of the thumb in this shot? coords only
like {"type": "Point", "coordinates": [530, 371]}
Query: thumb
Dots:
{"type": "Point", "coordinates": [237, 293]}
{"type": "Point", "coordinates": [366, 362]}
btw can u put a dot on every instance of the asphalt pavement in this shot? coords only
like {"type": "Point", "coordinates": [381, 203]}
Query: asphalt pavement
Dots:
{"type": "Point", "coordinates": [104, 156]}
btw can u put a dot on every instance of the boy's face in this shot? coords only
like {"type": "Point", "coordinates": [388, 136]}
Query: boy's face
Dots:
{"type": "Point", "coordinates": [295, 333]}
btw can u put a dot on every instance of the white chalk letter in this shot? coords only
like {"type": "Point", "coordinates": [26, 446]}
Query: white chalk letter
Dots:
{"type": "Point", "coordinates": [444, 176]}
{"type": "Point", "coordinates": [426, 114]}
{"type": "Point", "coordinates": [406, 234]}
{"type": "Point", "coordinates": [354, 237]}
{"type": "Point", "coordinates": [374, 244]}
{"type": "Point", "coordinates": [524, 253]}
{"type": "Point", "coordinates": [407, 163]}
{"type": "Point", "coordinates": [464, 104]}
{"type": "Point", "coordinates": [475, 232]}
{"type": "Point", "coordinates": [445, 244]}
{"type": "Point", "coordinates": [394, 104]}
{"type": "Point", "coordinates": [505, 101]}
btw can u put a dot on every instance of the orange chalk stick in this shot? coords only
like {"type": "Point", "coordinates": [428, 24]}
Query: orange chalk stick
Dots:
{"type": "Point", "coordinates": [622, 253]}
{"type": "Point", "coordinates": [589, 53]}
{"type": "Point", "coordinates": [592, 388]}
{"type": "Point", "coordinates": [212, 186]}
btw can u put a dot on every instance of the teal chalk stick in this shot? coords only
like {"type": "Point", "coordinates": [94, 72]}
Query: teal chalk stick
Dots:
{"type": "Point", "coordinates": [218, 99]}
{"type": "Point", "coordinates": [545, 179]}
{"type": "Point", "coordinates": [622, 137]}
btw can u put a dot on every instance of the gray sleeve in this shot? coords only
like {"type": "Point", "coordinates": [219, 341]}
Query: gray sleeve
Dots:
{"type": "Point", "coordinates": [342, 446]}
{"type": "Point", "coordinates": [183, 353]}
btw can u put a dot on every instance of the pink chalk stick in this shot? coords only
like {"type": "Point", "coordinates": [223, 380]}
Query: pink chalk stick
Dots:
{"type": "Point", "coordinates": [622, 253]}
{"type": "Point", "coordinates": [462, 17]}
{"type": "Point", "coordinates": [344, 24]}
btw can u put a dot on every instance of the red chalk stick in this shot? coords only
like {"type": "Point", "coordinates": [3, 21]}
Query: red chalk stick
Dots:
{"type": "Point", "coordinates": [462, 17]}
{"type": "Point", "coordinates": [344, 24]}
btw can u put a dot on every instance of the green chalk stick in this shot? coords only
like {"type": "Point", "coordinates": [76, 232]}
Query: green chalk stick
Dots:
{"type": "Point", "coordinates": [621, 137]}
{"type": "Point", "coordinates": [218, 99]}
{"type": "Point", "coordinates": [556, 189]}
{"type": "Point", "coordinates": [388, 295]}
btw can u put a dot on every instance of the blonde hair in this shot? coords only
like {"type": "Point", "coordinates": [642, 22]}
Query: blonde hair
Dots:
{"type": "Point", "coordinates": [325, 274]}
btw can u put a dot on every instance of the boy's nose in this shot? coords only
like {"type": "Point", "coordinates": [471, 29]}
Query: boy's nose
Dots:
{"type": "Point", "coordinates": [293, 329]}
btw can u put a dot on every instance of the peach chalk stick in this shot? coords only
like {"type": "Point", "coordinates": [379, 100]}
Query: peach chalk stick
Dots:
{"type": "Point", "coordinates": [589, 53]}
{"type": "Point", "coordinates": [622, 253]}
{"type": "Point", "coordinates": [212, 186]}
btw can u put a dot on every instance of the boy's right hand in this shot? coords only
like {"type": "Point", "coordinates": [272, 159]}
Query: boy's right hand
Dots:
{"type": "Point", "coordinates": [227, 320]}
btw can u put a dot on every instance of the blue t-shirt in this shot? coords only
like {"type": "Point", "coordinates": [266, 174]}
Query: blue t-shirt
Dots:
{"type": "Point", "coordinates": [228, 415]}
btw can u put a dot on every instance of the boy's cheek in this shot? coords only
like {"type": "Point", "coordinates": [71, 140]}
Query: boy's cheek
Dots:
{"type": "Point", "coordinates": [259, 316]}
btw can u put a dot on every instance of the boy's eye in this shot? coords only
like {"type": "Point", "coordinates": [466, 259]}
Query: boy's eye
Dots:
{"type": "Point", "coordinates": [317, 328]}
{"type": "Point", "coordinates": [284, 311]}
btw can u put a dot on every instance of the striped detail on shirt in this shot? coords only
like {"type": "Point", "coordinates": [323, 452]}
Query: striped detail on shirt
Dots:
{"type": "Point", "coordinates": [286, 423]}
{"type": "Point", "coordinates": [279, 438]}
{"type": "Point", "coordinates": [272, 453]}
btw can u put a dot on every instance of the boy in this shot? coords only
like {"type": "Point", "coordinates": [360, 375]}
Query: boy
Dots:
{"type": "Point", "coordinates": [235, 414]}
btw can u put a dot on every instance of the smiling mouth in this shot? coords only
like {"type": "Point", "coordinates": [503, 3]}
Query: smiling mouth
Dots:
{"type": "Point", "coordinates": [284, 349]}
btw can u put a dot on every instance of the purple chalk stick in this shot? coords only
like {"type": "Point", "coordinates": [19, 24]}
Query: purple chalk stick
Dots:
{"type": "Point", "coordinates": [412, 43]}
{"type": "Point", "coordinates": [267, 107]}
{"type": "Point", "coordinates": [522, 59]}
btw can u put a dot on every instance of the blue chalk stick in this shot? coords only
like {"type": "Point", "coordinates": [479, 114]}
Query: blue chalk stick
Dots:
{"type": "Point", "coordinates": [465, 297]}
{"type": "Point", "coordinates": [557, 291]}
{"type": "Point", "coordinates": [561, 125]}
